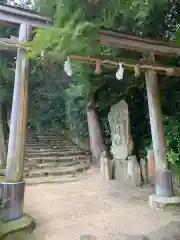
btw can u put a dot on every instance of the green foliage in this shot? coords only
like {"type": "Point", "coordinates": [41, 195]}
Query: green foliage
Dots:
{"type": "Point", "coordinates": [69, 35]}
{"type": "Point", "coordinates": [57, 100]}
{"type": "Point", "coordinates": [76, 24]}
{"type": "Point", "coordinates": [172, 130]}
{"type": "Point", "coordinates": [6, 78]}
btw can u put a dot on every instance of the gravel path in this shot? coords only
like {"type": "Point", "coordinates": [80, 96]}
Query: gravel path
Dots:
{"type": "Point", "coordinates": [89, 206]}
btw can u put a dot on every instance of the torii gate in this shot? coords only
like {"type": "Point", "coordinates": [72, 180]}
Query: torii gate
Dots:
{"type": "Point", "coordinates": [13, 187]}
{"type": "Point", "coordinates": [15, 157]}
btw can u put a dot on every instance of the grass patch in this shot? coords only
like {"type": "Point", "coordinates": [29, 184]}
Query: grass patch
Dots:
{"type": "Point", "coordinates": [173, 204]}
{"type": "Point", "coordinates": [1, 179]}
{"type": "Point", "coordinates": [177, 192]}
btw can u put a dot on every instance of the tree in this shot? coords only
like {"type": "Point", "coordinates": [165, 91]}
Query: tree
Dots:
{"type": "Point", "coordinates": [76, 24]}
{"type": "Point", "coordinates": [61, 101]}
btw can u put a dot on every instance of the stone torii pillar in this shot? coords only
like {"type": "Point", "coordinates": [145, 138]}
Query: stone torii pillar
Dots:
{"type": "Point", "coordinates": [164, 188]}
{"type": "Point", "coordinates": [13, 187]}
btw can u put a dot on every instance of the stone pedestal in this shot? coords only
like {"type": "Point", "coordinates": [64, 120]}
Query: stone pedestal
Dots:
{"type": "Point", "coordinates": [12, 194]}
{"type": "Point", "coordinates": [144, 170]}
{"type": "Point", "coordinates": [127, 172]}
{"type": "Point", "coordinates": [164, 186]}
{"type": "Point", "coordinates": [162, 202]}
{"type": "Point", "coordinates": [134, 173]}
{"type": "Point", "coordinates": [106, 166]}
{"type": "Point", "coordinates": [14, 229]}
{"type": "Point", "coordinates": [121, 168]}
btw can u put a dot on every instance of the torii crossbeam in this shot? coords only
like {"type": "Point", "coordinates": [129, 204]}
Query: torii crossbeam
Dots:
{"type": "Point", "coordinates": [16, 15]}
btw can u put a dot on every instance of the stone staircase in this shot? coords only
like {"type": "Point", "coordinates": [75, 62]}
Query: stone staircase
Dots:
{"type": "Point", "coordinates": [53, 156]}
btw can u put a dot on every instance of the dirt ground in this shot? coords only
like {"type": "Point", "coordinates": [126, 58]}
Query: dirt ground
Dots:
{"type": "Point", "coordinates": [97, 209]}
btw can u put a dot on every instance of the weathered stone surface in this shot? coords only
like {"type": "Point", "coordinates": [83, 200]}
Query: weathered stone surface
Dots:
{"type": "Point", "coordinates": [134, 173]}
{"type": "Point", "coordinates": [106, 166]}
{"type": "Point", "coordinates": [121, 168]}
{"type": "Point", "coordinates": [161, 202]}
{"type": "Point", "coordinates": [120, 130]}
{"type": "Point", "coordinates": [144, 170]}
{"type": "Point", "coordinates": [23, 223]}
{"type": "Point", "coordinates": [128, 172]}
{"type": "Point", "coordinates": [122, 145]}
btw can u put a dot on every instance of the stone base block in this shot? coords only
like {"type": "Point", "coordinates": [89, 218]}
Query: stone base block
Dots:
{"type": "Point", "coordinates": [144, 172]}
{"type": "Point", "coordinates": [162, 202]}
{"type": "Point", "coordinates": [26, 222]}
{"type": "Point", "coordinates": [128, 172]}
{"type": "Point", "coordinates": [164, 186]}
{"type": "Point", "coordinates": [152, 181]}
{"type": "Point", "coordinates": [106, 167]}
{"type": "Point", "coordinates": [12, 195]}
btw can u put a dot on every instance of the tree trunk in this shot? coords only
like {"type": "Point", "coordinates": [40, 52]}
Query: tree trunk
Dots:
{"type": "Point", "coordinates": [96, 141]}
{"type": "Point", "coordinates": [2, 140]}
{"type": "Point", "coordinates": [97, 145]}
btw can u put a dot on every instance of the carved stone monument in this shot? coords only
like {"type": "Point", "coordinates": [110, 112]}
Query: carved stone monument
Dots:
{"type": "Point", "coordinates": [120, 131]}
{"type": "Point", "coordinates": [127, 169]}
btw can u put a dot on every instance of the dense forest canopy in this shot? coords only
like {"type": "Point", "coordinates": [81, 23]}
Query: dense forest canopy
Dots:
{"type": "Point", "coordinates": [58, 101]}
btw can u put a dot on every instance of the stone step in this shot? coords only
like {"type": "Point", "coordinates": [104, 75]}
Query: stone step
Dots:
{"type": "Point", "coordinates": [52, 179]}
{"type": "Point", "coordinates": [45, 136]}
{"type": "Point", "coordinates": [68, 144]}
{"type": "Point", "coordinates": [29, 166]}
{"type": "Point", "coordinates": [54, 151]}
{"type": "Point", "coordinates": [45, 167]}
{"type": "Point", "coordinates": [56, 157]}
{"type": "Point", "coordinates": [46, 140]}
{"type": "Point", "coordinates": [40, 160]}
{"type": "Point", "coordinates": [55, 154]}
{"type": "Point", "coordinates": [48, 144]}
{"type": "Point", "coordinates": [71, 170]}
{"type": "Point", "coordinates": [52, 166]}
{"type": "Point", "coordinates": [51, 147]}
{"type": "Point", "coordinates": [59, 179]}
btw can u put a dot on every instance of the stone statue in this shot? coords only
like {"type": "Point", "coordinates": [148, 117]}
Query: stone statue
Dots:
{"type": "Point", "coordinates": [120, 131]}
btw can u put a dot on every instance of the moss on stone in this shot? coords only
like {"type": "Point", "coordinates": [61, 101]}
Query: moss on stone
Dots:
{"type": "Point", "coordinates": [23, 225]}
{"type": "Point", "coordinates": [174, 204]}
{"type": "Point", "coordinates": [177, 192]}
